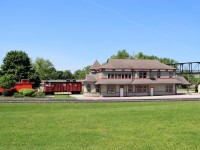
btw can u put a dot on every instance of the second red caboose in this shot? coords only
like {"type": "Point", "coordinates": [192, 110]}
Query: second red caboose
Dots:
{"type": "Point", "coordinates": [52, 86]}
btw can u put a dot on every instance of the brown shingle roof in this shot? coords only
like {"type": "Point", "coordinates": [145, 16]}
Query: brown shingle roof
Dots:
{"type": "Point", "coordinates": [95, 66]}
{"type": "Point", "coordinates": [139, 81]}
{"type": "Point", "coordinates": [182, 80]}
{"type": "Point", "coordinates": [157, 81]}
{"type": "Point", "coordinates": [90, 78]}
{"type": "Point", "coordinates": [114, 81]}
{"type": "Point", "coordinates": [135, 64]}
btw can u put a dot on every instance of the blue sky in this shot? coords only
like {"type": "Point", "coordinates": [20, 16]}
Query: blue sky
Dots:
{"type": "Point", "coordinates": [74, 33]}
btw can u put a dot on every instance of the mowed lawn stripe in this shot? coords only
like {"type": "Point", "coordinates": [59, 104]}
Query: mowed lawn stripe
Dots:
{"type": "Point", "coordinates": [153, 125]}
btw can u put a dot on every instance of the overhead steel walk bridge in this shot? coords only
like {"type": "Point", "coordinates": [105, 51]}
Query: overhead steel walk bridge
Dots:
{"type": "Point", "coordinates": [187, 68]}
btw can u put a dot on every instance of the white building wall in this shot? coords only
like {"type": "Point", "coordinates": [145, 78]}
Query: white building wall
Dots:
{"type": "Point", "coordinates": [93, 89]}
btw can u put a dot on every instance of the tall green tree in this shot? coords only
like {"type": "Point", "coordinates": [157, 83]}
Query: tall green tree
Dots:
{"type": "Point", "coordinates": [165, 60]}
{"type": "Point", "coordinates": [7, 81]}
{"type": "Point", "coordinates": [57, 75]}
{"type": "Point", "coordinates": [81, 74]}
{"type": "Point", "coordinates": [140, 55]}
{"type": "Point", "coordinates": [67, 74]}
{"type": "Point", "coordinates": [44, 68]}
{"type": "Point", "coordinates": [17, 63]}
{"type": "Point", "coordinates": [122, 54]}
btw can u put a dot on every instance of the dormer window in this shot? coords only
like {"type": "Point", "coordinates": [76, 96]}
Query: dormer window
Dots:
{"type": "Point", "coordinates": [142, 74]}
{"type": "Point", "coordinates": [158, 74]}
{"type": "Point", "coordinates": [170, 74]}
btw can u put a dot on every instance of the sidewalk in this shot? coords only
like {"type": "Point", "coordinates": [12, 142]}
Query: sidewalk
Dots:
{"type": "Point", "coordinates": [165, 97]}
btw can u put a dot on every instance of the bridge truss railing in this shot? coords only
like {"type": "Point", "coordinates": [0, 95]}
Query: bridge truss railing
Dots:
{"type": "Point", "coordinates": [187, 68]}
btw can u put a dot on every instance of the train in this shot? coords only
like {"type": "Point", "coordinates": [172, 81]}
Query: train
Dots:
{"type": "Point", "coordinates": [23, 84]}
{"type": "Point", "coordinates": [69, 85]}
{"type": "Point", "coordinates": [51, 86]}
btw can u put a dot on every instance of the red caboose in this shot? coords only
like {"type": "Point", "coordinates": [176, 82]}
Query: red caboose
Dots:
{"type": "Point", "coordinates": [52, 86]}
{"type": "Point", "coordinates": [24, 84]}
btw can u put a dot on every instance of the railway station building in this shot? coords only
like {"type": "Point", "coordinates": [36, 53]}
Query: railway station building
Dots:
{"type": "Point", "coordinates": [131, 77]}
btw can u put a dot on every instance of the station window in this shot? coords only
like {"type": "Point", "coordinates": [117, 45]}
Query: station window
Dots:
{"type": "Point", "coordinates": [158, 74]}
{"type": "Point", "coordinates": [170, 74]}
{"type": "Point", "coordinates": [111, 88]}
{"type": "Point", "coordinates": [143, 74]}
{"type": "Point", "coordinates": [130, 89]}
{"type": "Point", "coordinates": [97, 88]}
{"type": "Point", "coordinates": [141, 88]}
{"type": "Point", "coordinates": [169, 88]}
{"type": "Point", "coordinates": [121, 76]}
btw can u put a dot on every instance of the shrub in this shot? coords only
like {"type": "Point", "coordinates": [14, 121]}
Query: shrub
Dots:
{"type": "Point", "coordinates": [7, 92]}
{"type": "Point", "coordinates": [39, 94]}
{"type": "Point", "coordinates": [18, 95]}
{"type": "Point", "coordinates": [27, 92]}
{"type": "Point", "coordinates": [13, 91]}
{"type": "Point", "coordinates": [7, 81]}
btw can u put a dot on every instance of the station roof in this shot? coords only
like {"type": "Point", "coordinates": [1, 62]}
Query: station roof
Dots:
{"type": "Point", "coordinates": [135, 64]}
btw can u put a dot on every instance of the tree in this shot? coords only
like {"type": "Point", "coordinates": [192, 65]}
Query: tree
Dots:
{"type": "Point", "coordinates": [34, 77]}
{"type": "Point", "coordinates": [44, 68]}
{"type": "Point", "coordinates": [57, 75]}
{"type": "Point", "coordinates": [7, 81]}
{"type": "Point", "coordinates": [191, 78]}
{"type": "Point", "coordinates": [122, 54]}
{"type": "Point", "coordinates": [140, 55]}
{"type": "Point", "coordinates": [17, 63]}
{"type": "Point", "coordinates": [81, 74]}
{"type": "Point", "coordinates": [67, 74]}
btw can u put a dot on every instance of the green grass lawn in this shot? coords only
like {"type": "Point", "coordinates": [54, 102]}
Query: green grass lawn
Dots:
{"type": "Point", "coordinates": [100, 126]}
{"type": "Point", "coordinates": [190, 90]}
{"type": "Point", "coordinates": [62, 96]}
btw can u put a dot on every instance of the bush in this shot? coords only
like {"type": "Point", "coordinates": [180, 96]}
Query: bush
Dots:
{"type": "Point", "coordinates": [13, 91]}
{"type": "Point", "coordinates": [7, 92]}
{"type": "Point", "coordinates": [39, 94]}
{"type": "Point", "coordinates": [7, 81]}
{"type": "Point", "coordinates": [27, 92]}
{"type": "Point", "coordinates": [18, 95]}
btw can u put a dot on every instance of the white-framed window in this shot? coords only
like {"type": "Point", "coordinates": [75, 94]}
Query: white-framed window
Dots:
{"type": "Point", "coordinates": [141, 88]}
{"type": "Point", "coordinates": [111, 88]}
{"type": "Point", "coordinates": [130, 89]}
{"type": "Point", "coordinates": [170, 74]}
{"type": "Point", "coordinates": [142, 74]}
{"type": "Point", "coordinates": [145, 89]}
{"type": "Point", "coordinates": [169, 88]}
{"type": "Point", "coordinates": [158, 74]}
{"type": "Point", "coordinates": [97, 88]}
{"type": "Point", "coordinates": [119, 76]}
